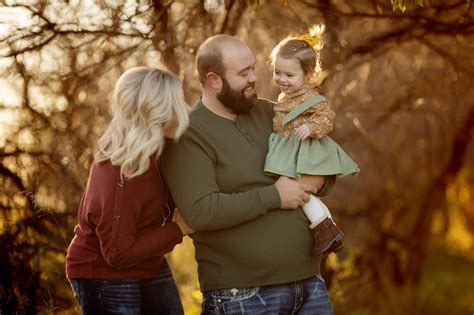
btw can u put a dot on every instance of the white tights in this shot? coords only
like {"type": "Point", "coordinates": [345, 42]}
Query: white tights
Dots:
{"type": "Point", "coordinates": [316, 211]}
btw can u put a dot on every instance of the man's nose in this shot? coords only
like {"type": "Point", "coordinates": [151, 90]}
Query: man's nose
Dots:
{"type": "Point", "coordinates": [252, 76]}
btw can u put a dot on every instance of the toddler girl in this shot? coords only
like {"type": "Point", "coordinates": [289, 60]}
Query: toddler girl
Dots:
{"type": "Point", "coordinates": [299, 146]}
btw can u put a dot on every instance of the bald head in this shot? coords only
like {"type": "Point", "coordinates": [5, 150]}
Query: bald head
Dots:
{"type": "Point", "coordinates": [213, 53]}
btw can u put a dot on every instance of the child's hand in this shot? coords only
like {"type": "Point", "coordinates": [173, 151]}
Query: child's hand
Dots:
{"type": "Point", "coordinates": [302, 132]}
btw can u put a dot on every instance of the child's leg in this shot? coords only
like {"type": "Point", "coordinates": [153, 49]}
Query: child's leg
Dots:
{"type": "Point", "coordinates": [327, 235]}
{"type": "Point", "coordinates": [315, 209]}
{"type": "Point", "coordinates": [315, 181]}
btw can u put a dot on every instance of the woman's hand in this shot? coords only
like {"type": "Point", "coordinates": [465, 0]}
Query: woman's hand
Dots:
{"type": "Point", "coordinates": [178, 219]}
{"type": "Point", "coordinates": [302, 132]}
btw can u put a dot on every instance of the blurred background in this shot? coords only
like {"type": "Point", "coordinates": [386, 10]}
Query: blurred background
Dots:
{"type": "Point", "coordinates": [399, 79]}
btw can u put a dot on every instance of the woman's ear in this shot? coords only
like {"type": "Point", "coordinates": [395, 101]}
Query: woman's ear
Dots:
{"type": "Point", "coordinates": [214, 81]}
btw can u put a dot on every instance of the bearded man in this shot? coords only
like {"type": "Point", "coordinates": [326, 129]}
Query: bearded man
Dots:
{"type": "Point", "coordinates": [250, 230]}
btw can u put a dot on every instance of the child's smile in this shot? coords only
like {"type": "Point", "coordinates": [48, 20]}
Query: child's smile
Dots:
{"type": "Point", "coordinates": [288, 74]}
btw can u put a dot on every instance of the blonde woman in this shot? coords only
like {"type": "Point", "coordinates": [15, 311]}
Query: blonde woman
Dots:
{"type": "Point", "coordinates": [115, 261]}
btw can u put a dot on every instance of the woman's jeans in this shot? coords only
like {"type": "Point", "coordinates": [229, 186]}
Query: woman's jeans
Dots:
{"type": "Point", "coordinates": [308, 296]}
{"type": "Point", "coordinates": [158, 295]}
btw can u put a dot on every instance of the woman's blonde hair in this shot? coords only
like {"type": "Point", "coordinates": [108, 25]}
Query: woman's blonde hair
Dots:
{"type": "Point", "coordinates": [145, 100]}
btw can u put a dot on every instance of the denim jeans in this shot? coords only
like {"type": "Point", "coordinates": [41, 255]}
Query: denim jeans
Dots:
{"type": "Point", "coordinates": [308, 296]}
{"type": "Point", "coordinates": [158, 295]}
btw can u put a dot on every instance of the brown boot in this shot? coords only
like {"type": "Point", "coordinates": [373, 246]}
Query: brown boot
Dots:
{"type": "Point", "coordinates": [328, 238]}
{"type": "Point", "coordinates": [335, 247]}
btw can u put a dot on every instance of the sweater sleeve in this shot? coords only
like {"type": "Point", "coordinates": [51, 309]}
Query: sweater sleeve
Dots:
{"type": "Point", "coordinates": [320, 119]}
{"type": "Point", "coordinates": [189, 170]}
{"type": "Point", "coordinates": [122, 244]}
{"type": "Point", "coordinates": [330, 181]}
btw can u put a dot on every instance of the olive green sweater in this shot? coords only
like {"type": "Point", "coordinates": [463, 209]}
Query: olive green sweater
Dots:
{"type": "Point", "coordinates": [215, 174]}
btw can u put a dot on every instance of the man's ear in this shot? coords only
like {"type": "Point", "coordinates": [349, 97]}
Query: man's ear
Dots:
{"type": "Point", "coordinates": [214, 81]}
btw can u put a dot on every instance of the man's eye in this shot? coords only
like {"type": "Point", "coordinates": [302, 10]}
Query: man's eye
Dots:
{"type": "Point", "coordinates": [290, 76]}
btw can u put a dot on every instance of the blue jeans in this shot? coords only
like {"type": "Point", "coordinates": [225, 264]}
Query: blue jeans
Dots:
{"type": "Point", "coordinates": [158, 295]}
{"type": "Point", "coordinates": [308, 296]}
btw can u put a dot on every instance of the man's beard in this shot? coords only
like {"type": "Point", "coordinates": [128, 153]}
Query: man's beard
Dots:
{"type": "Point", "coordinates": [236, 100]}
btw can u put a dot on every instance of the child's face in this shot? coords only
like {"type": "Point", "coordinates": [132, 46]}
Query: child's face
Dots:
{"type": "Point", "coordinates": [288, 75]}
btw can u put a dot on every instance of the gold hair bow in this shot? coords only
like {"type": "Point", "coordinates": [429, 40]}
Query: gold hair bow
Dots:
{"type": "Point", "coordinates": [312, 41]}
{"type": "Point", "coordinates": [313, 38]}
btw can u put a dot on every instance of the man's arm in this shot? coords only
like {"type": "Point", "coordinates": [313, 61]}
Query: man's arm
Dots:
{"type": "Point", "coordinates": [329, 181]}
{"type": "Point", "coordinates": [188, 169]}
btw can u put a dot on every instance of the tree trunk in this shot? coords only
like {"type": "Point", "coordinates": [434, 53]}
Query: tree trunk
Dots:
{"type": "Point", "coordinates": [435, 199]}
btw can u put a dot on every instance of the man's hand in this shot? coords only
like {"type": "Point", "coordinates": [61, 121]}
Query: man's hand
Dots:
{"type": "Point", "coordinates": [302, 132]}
{"type": "Point", "coordinates": [293, 193]}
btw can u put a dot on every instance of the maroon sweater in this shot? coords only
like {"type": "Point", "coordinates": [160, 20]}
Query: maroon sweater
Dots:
{"type": "Point", "coordinates": [120, 233]}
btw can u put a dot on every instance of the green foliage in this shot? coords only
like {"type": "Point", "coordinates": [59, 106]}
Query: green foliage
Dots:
{"type": "Point", "coordinates": [440, 291]}
{"type": "Point", "coordinates": [402, 4]}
